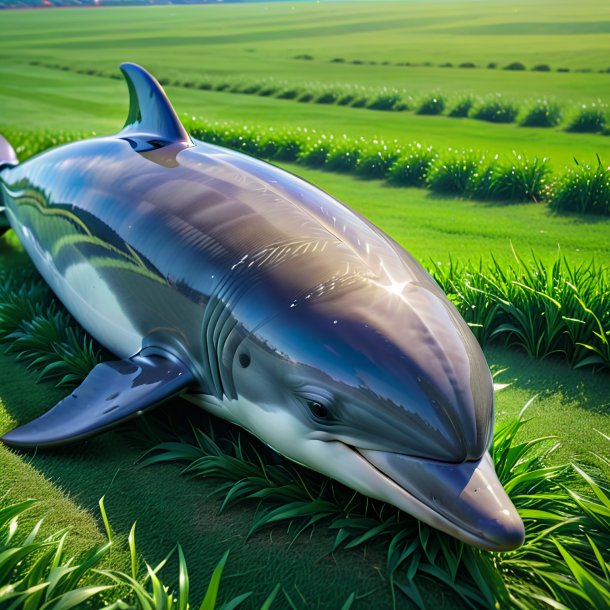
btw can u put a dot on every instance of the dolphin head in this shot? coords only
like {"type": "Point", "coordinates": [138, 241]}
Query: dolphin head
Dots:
{"type": "Point", "coordinates": [389, 393]}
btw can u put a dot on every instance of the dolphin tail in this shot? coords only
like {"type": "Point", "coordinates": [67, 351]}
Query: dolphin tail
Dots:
{"type": "Point", "coordinates": [8, 158]}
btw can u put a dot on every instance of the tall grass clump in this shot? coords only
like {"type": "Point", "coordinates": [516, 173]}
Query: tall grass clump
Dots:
{"type": "Point", "coordinates": [288, 93]}
{"type": "Point", "coordinates": [495, 109]}
{"type": "Point", "coordinates": [343, 156]}
{"type": "Point", "coordinates": [37, 573]}
{"type": "Point", "coordinates": [268, 89]}
{"type": "Point", "coordinates": [452, 172]}
{"type": "Point", "coordinates": [326, 97]}
{"type": "Point", "coordinates": [42, 334]}
{"type": "Point", "coordinates": [589, 118]}
{"type": "Point", "coordinates": [387, 100]}
{"type": "Point", "coordinates": [542, 113]}
{"type": "Point", "coordinates": [316, 150]}
{"type": "Point", "coordinates": [584, 189]}
{"type": "Point", "coordinates": [283, 144]}
{"type": "Point", "coordinates": [515, 65]}
{"type": "Point", "coordinates": [560, 310]}
{"type": "Point", "coordinates": [376, 157]}
{"type": "Point", "coordinates": [517, 179]}
{"type": "Point", "coordinates": [411, 168]}
{"type": "Point", "coordinates": [564, 508]}
{"type": "Point", "coordinates": [431, 104]}
{"type": "Point", "coordinates": [461, 108]}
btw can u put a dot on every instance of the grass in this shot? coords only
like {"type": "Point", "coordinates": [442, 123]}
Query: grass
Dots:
{"type": "Point", "coordinates": [589, 118]}
{"type": "Point", "coordinates": [43, 335]}
{"type": "Point", "coordinates": [556, 503]}
{"type": "Point", "coordinates": [584, 188]}
{"type": "Point", "coordinates": [495, 109]}
{"type": "Point", "coordinates": [576, 438]}
{"type": "Point", "coordinates": [431, 104]}
{"type": "Point", "coordinates": [410, 32]}
{"type": "Point", "coordinates": [247, 474]}
{"type": "Point", "coordinates": [254, 43]}
{"type": "Point", "coordinates": [542, 113]}
{"type": "Point", "coordinates": [37, 573]}
{"type": "Point", "coordinates": [555, 310]}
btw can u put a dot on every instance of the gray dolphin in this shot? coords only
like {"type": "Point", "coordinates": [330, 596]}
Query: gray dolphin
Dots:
{"type": "Point", "coordinates": [267, 302]}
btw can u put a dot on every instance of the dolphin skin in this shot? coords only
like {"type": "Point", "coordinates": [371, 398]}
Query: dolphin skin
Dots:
{"type": "Point", "coordinates": [265, 301]}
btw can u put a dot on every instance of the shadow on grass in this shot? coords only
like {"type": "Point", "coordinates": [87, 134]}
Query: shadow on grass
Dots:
{"type": "Point", "coordinates": [545, 378]}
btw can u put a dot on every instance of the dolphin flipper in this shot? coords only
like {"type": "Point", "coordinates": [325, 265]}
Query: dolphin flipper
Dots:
{"type": "Point", "coordinates": [112, 393]}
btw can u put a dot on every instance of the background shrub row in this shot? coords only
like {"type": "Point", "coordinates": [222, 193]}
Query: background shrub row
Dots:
{"type": "Point", "coordinates": [585, 188]}
{"type": "Point", "coordinates": [584, 118]}
{"type": "Point", "coordinates": [492, 65]}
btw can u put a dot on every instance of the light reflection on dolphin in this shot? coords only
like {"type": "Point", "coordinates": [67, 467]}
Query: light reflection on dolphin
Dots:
{"type": "Point", "coordinates": [266, 301]}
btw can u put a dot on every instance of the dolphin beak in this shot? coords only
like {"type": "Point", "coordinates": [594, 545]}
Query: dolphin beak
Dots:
{"type": "Point", "coordinates": [465, 500]}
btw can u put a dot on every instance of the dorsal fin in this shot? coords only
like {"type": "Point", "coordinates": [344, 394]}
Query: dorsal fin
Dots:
{"type": "Point", "coordinates": [152, 122]}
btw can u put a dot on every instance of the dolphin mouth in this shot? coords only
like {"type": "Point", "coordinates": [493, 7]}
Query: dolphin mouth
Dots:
{"type": "Point", "coordinates": [465, 500]}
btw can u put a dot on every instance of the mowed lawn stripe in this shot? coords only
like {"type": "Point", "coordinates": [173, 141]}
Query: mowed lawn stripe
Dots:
{"type": "Point", "coordinates": [500, 31]}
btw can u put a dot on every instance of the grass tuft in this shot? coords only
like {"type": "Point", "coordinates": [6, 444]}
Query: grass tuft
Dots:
{"type": "Point", "coordinates": [515, 65]}
{"type": "Point", "coordinates": [431, 104]}
{"type": "Point", "coordinates": [495, 109]}
{"type": "Point", "coordinates": [583, 189]}
{"type": "Point", "coordinates": [589, 118]}
{"type": "Point", "coordinates": [42, 334]}
{"type": "Point", "coordinates": [452, 172]}
{"type": "Point", "coordinates": [461, 108]}
{"type": "Point", "coordinates": [515, 180]}
{"type": "Point", "coordinates": [542, 113]}
{"type": "Point", "coordinates": [557, 504]}
{"type": "Point", "coordinates": [343, 156]}
{"type": "Point", "coordinates": [556, 310]}
{"type": "Point", "coordinates": [376, 158]}
{"type": "Point", "coordinates": [387, 101]}
{"type": "Point", "coordinates": [411, 168]}
{"type": "Point", "coordinates": [37, 573]}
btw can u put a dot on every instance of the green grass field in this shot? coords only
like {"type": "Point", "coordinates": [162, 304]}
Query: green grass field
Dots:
{"type": "Point", "coordinates": [261, 41]}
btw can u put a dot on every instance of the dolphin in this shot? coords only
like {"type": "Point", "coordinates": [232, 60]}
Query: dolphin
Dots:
{"type": "Point", "coordinates": [266, 301]}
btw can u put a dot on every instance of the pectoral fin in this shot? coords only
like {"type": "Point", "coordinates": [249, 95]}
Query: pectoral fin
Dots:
{"type": "Point", "coordinates": [112, 393]}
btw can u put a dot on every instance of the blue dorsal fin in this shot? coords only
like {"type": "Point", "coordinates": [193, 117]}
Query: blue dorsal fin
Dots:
{"type": "Point", "coordinates": [152, 122]}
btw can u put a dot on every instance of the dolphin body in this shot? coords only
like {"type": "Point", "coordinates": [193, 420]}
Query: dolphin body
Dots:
{"type": "Point", "coordinates": [267, 302]}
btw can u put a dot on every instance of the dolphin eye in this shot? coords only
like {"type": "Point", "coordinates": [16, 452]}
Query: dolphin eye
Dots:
{"type": "Point", "coordinates": [318, 410]}
{"type": "Point", "coordinates": [244, 360]}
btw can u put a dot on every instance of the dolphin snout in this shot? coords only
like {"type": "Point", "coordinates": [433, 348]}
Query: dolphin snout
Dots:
{"type": "Point", "coordinates": [464, 499]}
